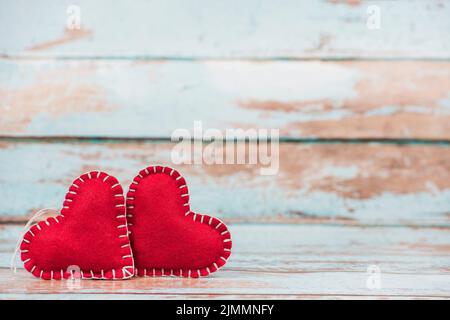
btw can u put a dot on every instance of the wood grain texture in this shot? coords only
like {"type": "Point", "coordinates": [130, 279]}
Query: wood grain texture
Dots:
{"type": "Point", "coordinates": [378, 100]}
{"type": "Point", "coordinates": [277, 261]}
{"type": "Point", "coordinates": [231, 29]}
{"type": "Point", "coordinates": [322, 183]}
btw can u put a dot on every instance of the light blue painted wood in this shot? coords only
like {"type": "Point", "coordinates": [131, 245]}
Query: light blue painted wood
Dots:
{"type": "Point", "coordinates": [151, 99]}
{"type": "Point", "coordinates": [226, 29]}
{"type": "Point", "coordinates": [315, 183]}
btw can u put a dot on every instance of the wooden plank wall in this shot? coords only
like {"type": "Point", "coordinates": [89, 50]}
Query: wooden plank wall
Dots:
{"type": "Point", "coordinates": [364, 115]}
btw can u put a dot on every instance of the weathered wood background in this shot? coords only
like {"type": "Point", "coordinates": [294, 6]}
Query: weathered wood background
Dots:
{"type": "Point", "coordinates": [364, 119]}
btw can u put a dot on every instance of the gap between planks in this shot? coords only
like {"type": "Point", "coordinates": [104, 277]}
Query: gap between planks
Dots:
{"type": "Point", "coordinates": [283, 139]}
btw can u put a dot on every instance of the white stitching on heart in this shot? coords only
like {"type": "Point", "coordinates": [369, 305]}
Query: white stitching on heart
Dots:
{"type": "Point", "coordinates": [170, 171]}
{"type": "Point", "coordinates": [125, 272]}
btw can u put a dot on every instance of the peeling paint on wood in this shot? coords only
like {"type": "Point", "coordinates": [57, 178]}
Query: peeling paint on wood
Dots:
{"type": "Point", "coordinates": [325, 183]}
{"type": "Point", "coordinates": [68, 36]}
{"type": "Point", "coordinates": [232, 29]}
{"type": "Point", "coordinates": [397, 100]}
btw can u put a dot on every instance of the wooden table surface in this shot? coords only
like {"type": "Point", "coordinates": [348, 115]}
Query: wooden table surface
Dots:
{"type": "Point", "coordinates": [281, 261]}
{"type": "Point", "coordinates": [363, 177]}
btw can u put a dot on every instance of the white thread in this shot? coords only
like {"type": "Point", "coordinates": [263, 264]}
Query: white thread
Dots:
{"type": "Point", "coordinates": [124, 271]}
{"type": "Point", "coordinates": [25, 231]}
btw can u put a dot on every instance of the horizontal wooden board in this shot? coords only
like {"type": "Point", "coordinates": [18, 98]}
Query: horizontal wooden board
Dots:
{"type": "Point", "coordinates": [253, 29]}
{"type": "Point", "coordinates": [347, 184]}
{"type": "Point", "coordinates": [277, 261]}
{"type": "Point", "coordinates": [380, 100]}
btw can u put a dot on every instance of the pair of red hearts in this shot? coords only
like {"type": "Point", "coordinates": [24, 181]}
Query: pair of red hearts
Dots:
{"type": "Point", "coordinates": [151, 233]}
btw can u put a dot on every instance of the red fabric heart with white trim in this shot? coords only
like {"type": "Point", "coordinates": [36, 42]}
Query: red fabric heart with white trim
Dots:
{"type": "Point", "coordinates": [167, 238]}
{"type": "Point", "coordinates": [89, 236]}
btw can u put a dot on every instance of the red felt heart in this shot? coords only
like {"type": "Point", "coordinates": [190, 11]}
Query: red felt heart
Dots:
{"type": "Point", "coordinates": [90, 234]}
{"type": "Point", "coordinates": [167, 238]}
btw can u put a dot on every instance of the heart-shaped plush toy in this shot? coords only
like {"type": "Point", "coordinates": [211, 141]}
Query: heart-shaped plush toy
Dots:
{"type": "Point", "coordinates": [89, 236]}
{"type": "Point", "coordinates": [167, 238]}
